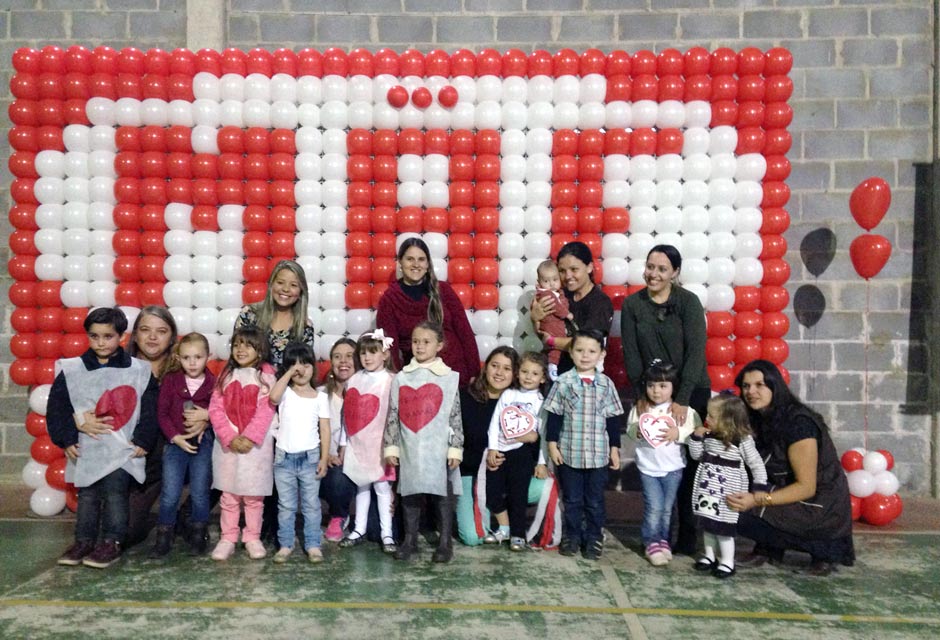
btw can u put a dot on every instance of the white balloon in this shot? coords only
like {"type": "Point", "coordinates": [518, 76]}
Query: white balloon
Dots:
{"type": "Point", "coordinates": [513, 168]}
{"type": "Point", "coordinates": [748, 220]}
{"type": "Point", "coordinates": [511, 246]}
{"type": "Point", "coordinates": [49, 267]}
{"type": "Point", "coordinates": [203, 270]}
{"type": "Point", "coordinates": [333, 271]}
{"type": "Point", "coordinates": [538, 167]}
{"type": "Point", "coordinates": [538, 194]}
{"type": "Point", "coordinates": [616, 167]}
{"type": "Point", "coordinates": [101, 189]}
{"type": "Point", "coordinates": [617, 193]}
{"type": "Point", "coordinates": [694, 270]}
{"type": "Point", "coordinates": [668, 193]}
{"type": "Point", "coordinates": [720, 297]}
{"type": "Point", "coordinates": [698, 114]}
{"type": "Point", "coordinates": [284, 115]}
{"type": "Point", "coordinates": [358, 321]}
{"type": "Point", "coordinates": [204, 243]}
{"type": "Point", "coordinates": [540, 89]}
{"type": "Point", "coordinates": [257, 113]}
{"type": "Point", "coordinates": [50, 163]}
{"type": "Point", "coordinates": [435, 167]}
{"type": "Point", "coordinates": [751, 166]}
{"type": "Point", "coordinates": [204, 139]}
{"type": "Point", "coordinates": [309, 90]}
{"type": "Point", "coordinates": [332, 294]}
{"type": "Point", "coordinates": [511, 270]}
{"type": "Point", "coordinates": [334, 141]}
{"type": "Point", "coordinates": [180, 113]}
{"type": "Point", "coordinates": [697, 166]}
{"type": "Point", "coordinates": [333, 219]}
{"type": "Point", "coordinates": [512, 220]}
{"type": "Point", "coordinates": [720, 271]}
{"type": "Point", "coordinates": [333, 244]}
{"type": "Point", "coordinates": [184, 319]}
{"type": "Point", "coordinates": [333, 166]}
{"type": "Point", "coordinates": [178, 294]}
{"type": "Point", "coordinates": [749, 194]}
{"type": "Point", "coordinates": [671, 114]}
{"type": "Point", "coordinates": [49, 241]}
{"type": "Point", "coordinates": [642, 167]}
{"type": "Point", "coordinates": [537, 247]}
{"type": "Point", "coordinates": [566, 116]}
{"type": "Point", "coordinates": [642, 221]}
{"type": "Point", "coordinates": [509, 297]}
{"type": "Point", "coordinates": [127, 112]}
{"type": "Point", "coordinates": [178, 242]}
{"type": "Point", "coordinates": [593, 88]}
{"type": "Point", "coordinates": [39, 397]}
{"type": "Point", "coordinates": [34, 474]}
{"type": "Point", "coordinates": [861, 483]}
{"type": "Point", "coordinates": [50, 216]}
{"type": "Point", "coordinates": [77, 137]}
{"type": "Point", "coordinates": [672, 239]}
{"type": "Point", "coordinates": [640, 245]}
{"type": "Point", "coordinates": [642, 194]}
{"type": "Point", "coordinates": [512, 143]}
{"type": "Point", "coordinates": [99, 216]}
{"type": "Point", "coordinates": [747, 245]}
{"type": "Point", "coordinates": [358, 88]}
{"type": "Point", "coordinates": [488, 115]}
{"type": "Point", "coordinates": [308, 115]}
{"type": "Point", "coordinates": [207, 112]}
{"type": "Point", "coordinates": [177, 267]}
{"type": "Point", "coordinates": [206, 85]}
{"type": "Point", "coordinates": [513, 194]}
{"type": "Point", "coordinates": [722, 139]}
{"type": "Point", "coordinates": [229, 242]}
{"type": "Point", "coordinates": [101, 267]}
{"type": "Point", "coordinates": [669, 167]}
{"type": "Point", "coordinates": [538, 219]}
{"type": "Point", "coordinates": [485, 344]}
{"type": "Point", "coordinates": [514, 116]}
{"type": "Point", "coordinates": [258, 87]}
{"type": "Point", "coordinates": [101, 164]}
{"type": "Point", "coordinates": [694, 247]}
{"type": "Point", "coordinates": [360, 115]}
{"type": "Point", "coordinates": [100, 111]}
{"type": "Point", "coordinates": [874, 462]}
{"type": "Point", "coordinates": [614, 245]}
{"type": "Point", "coordinates": [49, 190]}
{"type": "Point", "coordinates": [724, 165]}
{"type": "Point", "coordinates": [886, 483]}
{"type": "Point", "coordinates": [485, 323]}
{"type": "Point", "coordinates": [616, 271]}
{"type": "Point", "coordinates": [721, 218]}
{"type": "Point", "coordinates": [47, 501]}
{"type": "Point", "coordinates": [284, 87]}
{"type": "Point", "coordinates": [308, 244]}
{"type": "Point", "coordinates": [720, 244]}
{"type": "Point", "coordinates": [695, 140]}
{"type": "Point", "coordinates": [635, 269]}
{"type": "Point", "coordinates": [74, 294]}
{"type": "Point", "coordinates": [228, 297]}
{"type": "Point", "coordinates": [509, 320]}
{"type": "Point", "coordinates": [748, 272]}
{"type": "Point", "coordinates": [592, 115]}
{"type": "Point", "coordinates": [205, 319]}
{"type": "Point", "coordinates": [721, 192]}
{"type": "Point", "coordinates": [101, 294]}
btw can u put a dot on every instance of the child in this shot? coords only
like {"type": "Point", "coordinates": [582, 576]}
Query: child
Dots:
{"type": "Point", "coordinates": [106, 451]}
{"type": "Point", "coordinates": [242, 458]}
{"type": "Point", "coordinates": [303, 427]}
{"type": "Point", "coordinates": [554, 325]}
{"type": "Point", "coordinates": [185, 393]}
{"type": "Point", "coordinates": [723, 445]}
{"type": "Point", "coordinates": [364, 414]}
{"type": "Point", "coordinates": [424, 435]}
{"type": "Point", "coordinates": [583, 434]}
{"type": "Point", "coordinates": [659, 457]}
{"type": "Point", "coordinates": [336, 488]}
{"type": "Point", "coordinates": [513, 430]}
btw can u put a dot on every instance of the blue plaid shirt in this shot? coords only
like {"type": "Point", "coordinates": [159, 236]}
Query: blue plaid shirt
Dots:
{"type": "Point", "coordinates": [585, 408]}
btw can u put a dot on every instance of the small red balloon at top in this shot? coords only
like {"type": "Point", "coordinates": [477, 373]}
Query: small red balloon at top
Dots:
{"type": "Point", "coordinates": [869, 202]}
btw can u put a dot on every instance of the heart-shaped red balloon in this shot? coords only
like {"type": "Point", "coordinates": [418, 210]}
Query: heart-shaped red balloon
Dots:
{"type": "Point", "coordinates": [869, 202]}
{"type": "Point", "coordinates": [118, 403]}
{"type": "Point", "coordinates": [240, 403]}
{"type": "Point", "coordinates": [359, 409]}
{"type": "Point", "coordinates": [417, 407]}
{"type": "Point", "coordinates": [869, 253]}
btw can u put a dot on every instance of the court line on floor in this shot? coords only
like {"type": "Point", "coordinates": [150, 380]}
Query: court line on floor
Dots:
{"type": "Point", "coordinates": [458, 606]}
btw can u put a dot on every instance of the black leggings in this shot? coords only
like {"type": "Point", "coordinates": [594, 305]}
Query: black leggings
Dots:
{"type": "Point", "coordinates": [773, 542]}
{"type": "Point", "coordinates": [507, 488]}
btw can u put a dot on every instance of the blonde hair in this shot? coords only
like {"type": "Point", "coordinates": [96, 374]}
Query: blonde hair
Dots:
{"type": "Point", "coordinates": [189, 338]}
{"type": "Point", "coordinates": [264, 310]}
{"type": "Point", "coordinates": [733, 424]}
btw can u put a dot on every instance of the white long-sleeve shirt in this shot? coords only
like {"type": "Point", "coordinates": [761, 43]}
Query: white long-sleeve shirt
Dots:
{"type": "Point", "coordinates": [515, 411]}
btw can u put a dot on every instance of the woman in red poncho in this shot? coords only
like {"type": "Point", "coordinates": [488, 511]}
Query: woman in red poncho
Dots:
{"type": "Point", "coordinates": [419, 296]}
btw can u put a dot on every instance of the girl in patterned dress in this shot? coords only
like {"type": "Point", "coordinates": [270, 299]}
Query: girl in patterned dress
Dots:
{"type": "Point", "coordinates": [723, 446]}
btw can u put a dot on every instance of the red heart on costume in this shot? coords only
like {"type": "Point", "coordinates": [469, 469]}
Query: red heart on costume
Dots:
{"type": "Point", "coordinates": [651, 428]}
{"type": "Point", "coordinates": [240, 403]}
{"type": "Point", "coordinates": [118, 403]}
{"type": "Point", "coordinates": [417, 407]}
{"type": "Point", "coordinates": [359, 409]}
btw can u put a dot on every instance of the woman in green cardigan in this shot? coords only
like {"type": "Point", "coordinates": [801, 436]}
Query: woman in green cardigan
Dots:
{"type": "Point", "coordinates": [664, 321]}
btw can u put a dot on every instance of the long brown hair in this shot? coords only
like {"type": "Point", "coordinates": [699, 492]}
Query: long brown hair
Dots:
{"type": "Point", "coordinates": [478, 388]}
{"type": "Point", "coordinates": [432, 288]}
{"type": "Point", "coordinates": [334, 386]}
{"type": "Point", "coordinates": [253, 336]}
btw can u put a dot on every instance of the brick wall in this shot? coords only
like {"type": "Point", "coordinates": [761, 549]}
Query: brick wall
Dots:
{"type": "Point", "coordinates": [863, 106]}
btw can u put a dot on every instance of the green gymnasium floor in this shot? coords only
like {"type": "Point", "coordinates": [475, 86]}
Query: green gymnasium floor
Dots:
{"type": "Point", "coordinates": [892, 592]}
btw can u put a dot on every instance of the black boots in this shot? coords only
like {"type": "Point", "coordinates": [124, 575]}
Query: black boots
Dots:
{"type": "Point", "coordinates": [162, 543]}
{"type": "Point", "coordinates": [198, 538]}
{"type": "Point", "coordinates": [445, 515]}
{"type": "Point", "coordinates": [411, 509]}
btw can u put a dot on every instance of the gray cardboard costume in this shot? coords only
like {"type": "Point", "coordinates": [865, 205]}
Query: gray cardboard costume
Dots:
{"type": "Point", "coordinates": [115, 392]}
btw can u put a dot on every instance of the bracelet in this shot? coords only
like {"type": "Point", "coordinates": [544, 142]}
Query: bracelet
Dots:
{"type": "Point", "coordinates": [550, 341]}
{"type": "Point", "coordinates": [768, 500]}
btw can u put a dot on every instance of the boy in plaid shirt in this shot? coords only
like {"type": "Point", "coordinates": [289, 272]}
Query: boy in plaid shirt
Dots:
{"type": "Point", "coordinates": [583, 434]}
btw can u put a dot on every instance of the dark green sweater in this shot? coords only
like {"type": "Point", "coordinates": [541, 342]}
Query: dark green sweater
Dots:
{"type": "Point", "coordinates": [673, 332]}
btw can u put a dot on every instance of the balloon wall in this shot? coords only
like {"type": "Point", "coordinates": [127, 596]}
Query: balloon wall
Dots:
{"type": "Point", "coordinates": [872, 485]}
{"type": "Point", "coordinates": [181, 178]}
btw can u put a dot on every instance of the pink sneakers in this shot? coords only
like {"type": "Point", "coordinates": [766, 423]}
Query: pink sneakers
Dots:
{"type": "Point", "coordinates": [334, 531]}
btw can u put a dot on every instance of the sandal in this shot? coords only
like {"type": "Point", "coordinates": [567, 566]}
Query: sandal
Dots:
{"type": "Point", "coordinates": [704, 564]}
{"type": "Point", "coordinates": [388, 545]}
{"type": "Point", "coordinates": [723, 571]}
{"type": "Point", "coordinates": [350, 541]}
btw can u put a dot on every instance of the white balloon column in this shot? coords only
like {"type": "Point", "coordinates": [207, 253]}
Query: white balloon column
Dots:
{"type": "Point", "coordinates": [180, 178]}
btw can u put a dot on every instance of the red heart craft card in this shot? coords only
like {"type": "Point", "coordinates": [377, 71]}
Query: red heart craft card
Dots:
{"type": "Point", "coordinates": [653, 428]}
{"type": "Point", "coordinates": [118, 404]}
{"type": "Point", "coordinates": [240, 403]}
{"type": "Point", "coordinates": [515, 422]}
{"type": "Point", "coordinates": [417, 407]}
{"type": "Point", "coordinates": [359, 409]}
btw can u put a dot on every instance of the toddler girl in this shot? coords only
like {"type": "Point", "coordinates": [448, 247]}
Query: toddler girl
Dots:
{"type": "Point", "coordinates": [723, 446]}
{"type": "Point", "coordinates": [659, 457]}
{"type": "Point", "coordinates": [364, 412]}
{"type": "Point", "coordinates": [511, 459]}
{"type": "Point", "coordinates": [424, 435]}
{"type": "Point", "coordinates": [184, 398]}
{"type": "Point", "coordinates": [303, 427]}
{"type": "Point", "coordinates": [242, 458]}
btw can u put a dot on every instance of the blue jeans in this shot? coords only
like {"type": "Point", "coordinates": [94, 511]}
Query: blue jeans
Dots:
{"type": "Point", "coordinates": [582, 492]}
{"type": "Point", "coordinates": [112, 491]}
{"type": "Point", "coordinates": [293, 472]}
{"type": "Point", "coordinates": [659, 496]}
{"type": "Point", "coordinates": [176, 463]}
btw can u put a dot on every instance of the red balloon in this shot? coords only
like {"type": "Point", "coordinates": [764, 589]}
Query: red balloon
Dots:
{"type": "Point", "coordinates": [44, 451]}
{"type": "Point", "coordinates": [459, 270]}
{"type": "Point", "coordinates": [773, 298]}
{"type": "Point", "coordinates": [748, 324]}
{"type": "Point", "coordinates": [745, 350]}
{"type": "Point", "coordinates": [55, 474]}
{"type": "Point", "coordinates": [856, 507]}
{"type": "Point", "coordinates": [358, 295]}
{"type": "Point", "coordinates": [776, 272]}
{"type": "Point", "coordinates": [23, 372]}
{"type": "Point", "coordinates": [774, 349]}
{"type": "Point", "coordinates": [23, 346]}
{"type": "Point", "coordinates": [719, 351]}
{"type": "Point", "coordinates": [71, 497]}
{"type": "Point", "coordinates": [485, 296]}
{"type": "Point", "coordinates": [36, 424]}
{"type": "Point", "coordinates": [776, 324]}
{"type": "Point", "coordinates": [746, 299]}
{"type": "Point", "coordinates": [888, 457]}
{"type": "Point", "coordinates": [869, 253]}
{"type": "Point", "coordinates": [879, 510]}
{"type": "Point", "coordinates": [23, 320]}
{"type": "Point", "coordinates": [719, 324]}
{"type": "Point", "coordinates": [721, 377]}
{"type": "Point", "coordinates": [852, 460]}
{"type": "Point", "coordinates": [895, 505]}
{"type": "Point", "coordinates": [869, 202]}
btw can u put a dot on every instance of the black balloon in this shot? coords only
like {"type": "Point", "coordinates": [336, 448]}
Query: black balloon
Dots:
{"type": "Point", "coordinates": [809, 304]}
{"type": "Point", "coordinates": [817, 250]}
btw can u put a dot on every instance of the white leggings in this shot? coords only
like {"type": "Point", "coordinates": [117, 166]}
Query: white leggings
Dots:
{"type": "Point", "coordinates": [725, 546]}
{"type": "Point", "coordinates": [383, 493]}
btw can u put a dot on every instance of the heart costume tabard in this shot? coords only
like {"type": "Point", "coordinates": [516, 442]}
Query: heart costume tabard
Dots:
{"type": "Point", "coordinates": [423, 428]}
{"type": "Point", "coordinates": [365, 409]}
{"type": "Point", "coordinates": [243, 408]}
{"type": "Point", "coordinates": [108, 391]}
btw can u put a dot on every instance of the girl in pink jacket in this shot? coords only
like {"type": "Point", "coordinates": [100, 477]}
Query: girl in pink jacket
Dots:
{"type": "Point", "coordinates": [243, 455]}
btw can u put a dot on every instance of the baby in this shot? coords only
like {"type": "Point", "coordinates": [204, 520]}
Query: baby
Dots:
{"type": "Point", "coordinates": [552, 326]}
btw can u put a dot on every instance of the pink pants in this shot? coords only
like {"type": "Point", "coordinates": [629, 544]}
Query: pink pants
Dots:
{"type": "Point", "coordinates": [230, 505]}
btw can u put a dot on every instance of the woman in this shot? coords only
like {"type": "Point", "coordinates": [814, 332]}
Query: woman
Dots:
{"type": "Point", "coordinates": [477, 403]}
{"type": "Point", "coordinates": [589, 306]}
{"type": "Point", "coordinates": [282, 315]}
{"type": "Point", "coordinates": [665, 322]}
{"type": "Point", "coordinates": [335, 487]}
{"type": "Point", "coordinates": [152, 338]}
{"type": "Point", "coordinates": [419, 296]}
{"type": "Point", "coordinates": [808, 507]}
